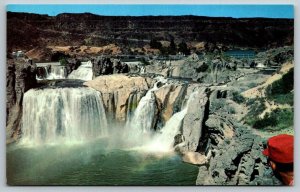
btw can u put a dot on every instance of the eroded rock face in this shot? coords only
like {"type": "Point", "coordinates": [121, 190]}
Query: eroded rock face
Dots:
{"type": "Point", "coordinates": [192, 125]}
{"type": "Point", "coordinates": [117, 89]}
{"type": "Point", "coordinates": [21, 76]}
{"type": "Point", "coordinates": [236, 155]}
{"type": "Point", "coordinates": [105, 66]}
{"type": "Point", "coordinates": [169, 99]}
{"type": "Point", "coordinates": [10, 88]}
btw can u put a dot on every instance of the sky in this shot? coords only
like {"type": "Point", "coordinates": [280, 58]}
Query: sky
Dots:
{"type": "Point", "coordinates": [235, 11]}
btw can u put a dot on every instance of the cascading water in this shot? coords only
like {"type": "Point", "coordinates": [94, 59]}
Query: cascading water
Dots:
{"type": "Point", "coordinates": [164, 141]}
{"type": "Point", "coordinates": [51, 72]}
{"type": "Point", "coordinates": [84, 72]}
{"type": "Point", "coordinates": [143, 118]}
{"type": "Point", "coordinates": [140, 126]}
{"type": "Point", "coordinates": [62, 115]}
{"type": "Point", "coordinates": [57, 72]}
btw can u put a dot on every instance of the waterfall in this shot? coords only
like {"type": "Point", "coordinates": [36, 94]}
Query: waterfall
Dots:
{"type": "Point", "coordinates": [144, 115]}
{"type": "Point", "coordinates": [57, 72]}
{"type": "Point", "coordinates": [43, 72]}
{"type": "Point", "coordinates": [62, 115]}
{"type": "Point", "coordinates": [51, 72]}
{"type": "Point", "coordinates": [84, 72]}
{"type": "Point", "coordinates": [131, 106]}
{"type": "Point", "coordinates": [164, 141]}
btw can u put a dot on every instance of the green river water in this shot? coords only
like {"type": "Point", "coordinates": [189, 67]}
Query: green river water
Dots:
{"type": "Point", "coordinates": [94, 163]}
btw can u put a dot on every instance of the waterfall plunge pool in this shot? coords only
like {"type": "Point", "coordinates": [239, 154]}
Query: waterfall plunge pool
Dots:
{"type": "Point", "coordinates": [94, 163]}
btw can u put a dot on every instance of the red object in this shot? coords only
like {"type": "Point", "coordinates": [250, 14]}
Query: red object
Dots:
{"type": "Point", "coordinates": [280, 148]}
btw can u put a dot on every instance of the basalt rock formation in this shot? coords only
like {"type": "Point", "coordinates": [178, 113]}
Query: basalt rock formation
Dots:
{"type": "Point", "coordinates": [127, 32]}
{"type": "Point", "coordinates": [105, 66]}
{"type": "Point", "coordinates": [233, 152]}
{"type": "Point", "coordinates": [21, 76]}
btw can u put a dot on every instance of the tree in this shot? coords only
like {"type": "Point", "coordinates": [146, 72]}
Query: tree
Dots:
{"type": "Point", "coordinates": [172, 48]}
{"type": "Point", "coordinates": [154, 44]}
{"type": "Point", "coordinates": [182, 47]}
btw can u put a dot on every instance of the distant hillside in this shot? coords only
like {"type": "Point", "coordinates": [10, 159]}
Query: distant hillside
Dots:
{"type": "Point", "coordinates": [26, 31]}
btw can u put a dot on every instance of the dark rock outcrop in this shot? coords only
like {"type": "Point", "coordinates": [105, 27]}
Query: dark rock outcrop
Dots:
{"type": "Point", "coordinates": [134, 31]}
{"type": "Point", "coordinates": [105, 66]}
{"type": "Point", "coordinates": [275, 57]}
{"type": "Point", "coordinates": [237, 157]}
{"type": "Point", "coordinates": [120, 67]}
{"type": "Point", "coordinates": [21, 76]}
{"type": "Point", "coordinates": [234, 152]}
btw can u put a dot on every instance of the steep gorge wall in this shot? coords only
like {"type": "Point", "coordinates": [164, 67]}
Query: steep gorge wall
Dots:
{"type": "Point", "coordinates": [96, 30]}
{"type": "Point", "coordinates": [20, 77]}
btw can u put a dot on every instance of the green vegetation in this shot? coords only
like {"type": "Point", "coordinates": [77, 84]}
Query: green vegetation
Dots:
{"type": "Point", "coordinates": [172, 48]}
{"type": "Point", "coordinates": [217, 105]}
{"type": "Point", "coordinates": [63, 61]}
{"type": "Point", "coordinates": [276, 120]}
{"type": "Point", "coordinates": [238, 98]}
{"type": "Point", "coordinates": [282, 86]}
{"type": "Point", "coordinates": [222, 105]}
{"type": "Point", "coordinates": [280, 91]}
{"type": "Point", "coordinates": [283, 98]}
{"type": "Point", "coordinates": [256, 107]}
{"type": "Point", "coordinates": [182, 47]}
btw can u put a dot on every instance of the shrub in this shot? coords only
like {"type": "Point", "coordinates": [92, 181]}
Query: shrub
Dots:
{"type": "Point", "coordinates": [230, 109]}
{"type": "Point", "coordinates": [268, 120]}
{"type": "Point", "coordinates": [283, 98]}
{"type": "Point", "coordinates": [282, 86]}
{"type": "Point", "coordinates": [217, 105]}
{"type": "Point", "coordinates": [238, 98]}
{"type": "Point", "coordinates": [276, 120]}
{"type": "Point", "coordinates": [63, 61]}
{"type": "Point", "coordinates": [256, 106]}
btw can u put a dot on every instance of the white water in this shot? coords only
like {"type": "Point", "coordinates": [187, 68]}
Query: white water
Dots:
{"type": "Point", "coordinates": [143, 117]}
{"type": "Point", "coordinates": [56, 72]}
{"type": "Point", "coordinates": [164, 141]}
{"type": "Point", "coordinates": [62, 115]}
{"type": "Point", "coordinates": [140, 127]}
{"type": "Point", "coordinates": [84, 72]}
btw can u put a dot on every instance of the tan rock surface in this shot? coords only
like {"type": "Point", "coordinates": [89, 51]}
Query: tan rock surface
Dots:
{"type": "Point", "coordinates": [116, 89]}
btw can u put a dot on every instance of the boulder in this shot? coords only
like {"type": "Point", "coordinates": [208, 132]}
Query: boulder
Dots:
{"type": "Point", "coordinates": [194, 158]}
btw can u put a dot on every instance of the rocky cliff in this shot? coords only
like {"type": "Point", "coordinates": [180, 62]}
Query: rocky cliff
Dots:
{"type": "Point", "coordinates": [226, 151]}
{"type": "Point", "coordinates": [116, 91]}
{"type": "Point", "coordinates": [135, 32]}
{"type": "Point", "coordinates": [20, 77]}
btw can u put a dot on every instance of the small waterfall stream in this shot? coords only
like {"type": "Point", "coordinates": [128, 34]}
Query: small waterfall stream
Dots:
{"type": "Point", "coordinates": [52, 72]}
{"type": "Point", "coordinates": [143, 117]}
{"type": "Point", "coordinates": [84, 72]}
{"type": "Point", "coordinates": [62, 115]}
{"type": "Point", "coordinates": [164, 141]}
{"type": "Point", "coordinates": [57, 72]}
